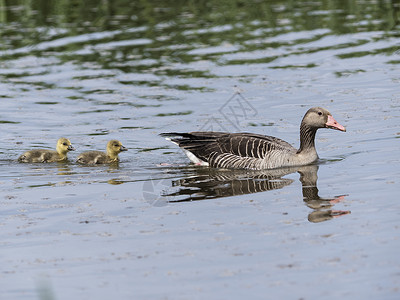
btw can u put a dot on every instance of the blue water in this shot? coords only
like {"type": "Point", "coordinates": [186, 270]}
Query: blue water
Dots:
{"type": "Point", "coordinates": [156, 227]}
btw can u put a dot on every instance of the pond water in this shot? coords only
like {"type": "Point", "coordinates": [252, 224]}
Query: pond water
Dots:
{"type": "Point", "coordinates": [156, 227]}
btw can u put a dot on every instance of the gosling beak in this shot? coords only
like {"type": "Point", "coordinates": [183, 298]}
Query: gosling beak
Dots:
{"type": "Point", "coordinates": [71, 148]}
{"type": "Point", "coordinates": [123, 148]}
{"type": "Point", "coordinates": [331, 123]}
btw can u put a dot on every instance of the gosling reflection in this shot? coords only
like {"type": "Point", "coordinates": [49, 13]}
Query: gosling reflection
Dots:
{"type": "Point", "coordinates": [211, 183]}
{"type": "Point", "coordinates": [63, 168]}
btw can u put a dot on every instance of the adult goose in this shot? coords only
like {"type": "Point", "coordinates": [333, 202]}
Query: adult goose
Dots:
{"type": "Point", "coordinates": [114, 147]}
{"type": "Point", "coordinates": [45, 155]}
{"type": "Point", "coordinates": [255, 151]}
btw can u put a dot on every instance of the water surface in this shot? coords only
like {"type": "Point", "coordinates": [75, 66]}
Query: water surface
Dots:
{"type": "Point", "coordinates": [156, 227]}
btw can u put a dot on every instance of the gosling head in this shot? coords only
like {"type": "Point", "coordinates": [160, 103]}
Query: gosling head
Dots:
{"type": "Point", "coordinates": [63, 146]}
{"type": "Point", "coordinates": [318, 117]}
{"type": "Point", "coordinates": [114, 147]}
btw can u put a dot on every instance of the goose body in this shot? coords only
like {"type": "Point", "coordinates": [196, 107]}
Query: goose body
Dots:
{"type": "Point", "coordinates": [114, 147]}
{"type": "Point", "coordinates": [255, 151]}
{"type": "Point", "coordinates": [45, 155]}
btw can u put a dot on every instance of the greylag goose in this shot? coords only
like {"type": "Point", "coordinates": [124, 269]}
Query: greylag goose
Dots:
{"type": "Point", "coordinates": [114, 147]}
{"type": "Point", "coordinates": [255, 151]}
{"type": "Point", "coordinates": [44, 155]}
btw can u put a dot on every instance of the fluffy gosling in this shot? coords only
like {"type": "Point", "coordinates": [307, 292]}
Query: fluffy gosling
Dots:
{"type": "Point", "coordinates": [114, 147]}
{"type": "Point", "coordinates": [45, 156]}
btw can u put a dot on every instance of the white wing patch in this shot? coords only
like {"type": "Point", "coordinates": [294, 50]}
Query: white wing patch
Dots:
{"type": "Point", "coordinates": [194, 159]}
{"type": "Point", "coordinates": [169, 139]}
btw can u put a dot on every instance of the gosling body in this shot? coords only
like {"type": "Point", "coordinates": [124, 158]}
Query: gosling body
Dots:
{"type": "Point", "coordinates": [114, 147]}
{"type": "Point", "coordinates": [45, 155]}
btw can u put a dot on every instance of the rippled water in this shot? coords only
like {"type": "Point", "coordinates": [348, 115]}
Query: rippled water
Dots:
{"type": "Point", "coordinates": [156, 227]}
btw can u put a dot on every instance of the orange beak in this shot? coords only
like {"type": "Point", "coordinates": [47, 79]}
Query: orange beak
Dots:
{"type": "Point", "coordinates": [331, 123]}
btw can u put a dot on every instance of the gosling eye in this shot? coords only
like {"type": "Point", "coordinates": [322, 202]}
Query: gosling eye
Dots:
{"type": "Point", "coordinates": [320, 113]}
{"type": "Point", "coordinates": [65, 144]}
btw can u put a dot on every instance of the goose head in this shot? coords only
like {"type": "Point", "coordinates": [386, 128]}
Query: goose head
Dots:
{"type": "Point", "coordinates": [114, 147]}
{"type": "Point", "coordinates": [63, 146]}
{"type": "Point", "coordinates": [318, 117]}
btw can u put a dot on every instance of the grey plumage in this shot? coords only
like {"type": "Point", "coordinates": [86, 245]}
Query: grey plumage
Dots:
{"type": "Point", "coordinates": [234, 150]}
{"type": "Point", "coordinates": [254, 151]}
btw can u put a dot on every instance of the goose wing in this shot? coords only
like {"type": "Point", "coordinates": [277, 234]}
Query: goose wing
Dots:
{"type": "Point", "coordinates": [231, 150]}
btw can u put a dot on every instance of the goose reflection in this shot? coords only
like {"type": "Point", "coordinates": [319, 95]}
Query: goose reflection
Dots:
{"type": "Point", "coordinates": [322, 207]}
{"type": "Point", "coordinates": [212, 183]}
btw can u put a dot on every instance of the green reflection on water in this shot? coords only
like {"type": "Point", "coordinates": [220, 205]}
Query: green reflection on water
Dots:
{"type": "Point", "coordinates": [185, 22]}
{"type": "Point", "coordinates": [183, 113]}
{"type": "Point", "coordinates": [164, 37]}
{"type": "Point", "coordinates": [8, 122]}
{"type": "Point", "coordinates": [387, 51]}
{"type": "Point", "coordinates": [46, 103]}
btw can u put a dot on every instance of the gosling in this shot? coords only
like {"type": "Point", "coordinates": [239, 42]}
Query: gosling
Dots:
{"type": "Point", "coordinates": [114, 147]}
{"type": "Point", "coordinates": [45, 156]}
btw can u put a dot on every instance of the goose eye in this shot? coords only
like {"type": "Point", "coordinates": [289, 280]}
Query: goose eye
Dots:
{"type": "Point", "coordinates": [320, 113]}
{"type": "Point", "coordinates": [65, 144]}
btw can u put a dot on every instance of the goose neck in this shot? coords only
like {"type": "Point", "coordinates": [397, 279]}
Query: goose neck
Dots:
{"type": "Point", "coordinates": [307, 138]}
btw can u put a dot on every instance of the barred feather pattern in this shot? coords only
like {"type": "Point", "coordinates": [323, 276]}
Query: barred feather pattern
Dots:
{"type": "Point", "coordinates": [254, 151]}
{"type": "Point", "coordinates": [237, 150]}
{"type": "Point", "coordinates": [307, 138]}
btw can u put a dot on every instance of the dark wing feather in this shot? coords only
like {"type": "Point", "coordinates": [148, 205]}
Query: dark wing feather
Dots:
{"type": "Point", "coordinates": [201, 144]}
{"type": "Point", "coordinates": [207, 145]}
{"type": "Point", "coordinates": [251, 145]}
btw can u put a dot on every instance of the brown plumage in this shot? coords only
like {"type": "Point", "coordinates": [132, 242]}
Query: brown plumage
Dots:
{"type": "Point", "coordinates": [255, 151]}
{"type": "Point", "coordinates": [114, 147]}
{"type": "Point", "coordinates": [44, 155]}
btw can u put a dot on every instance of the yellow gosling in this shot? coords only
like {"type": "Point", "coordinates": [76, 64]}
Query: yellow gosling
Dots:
{"type": "Point", "coordinates": [114, 147]}
{"type": "Point", "coordinates": [44, 155]}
